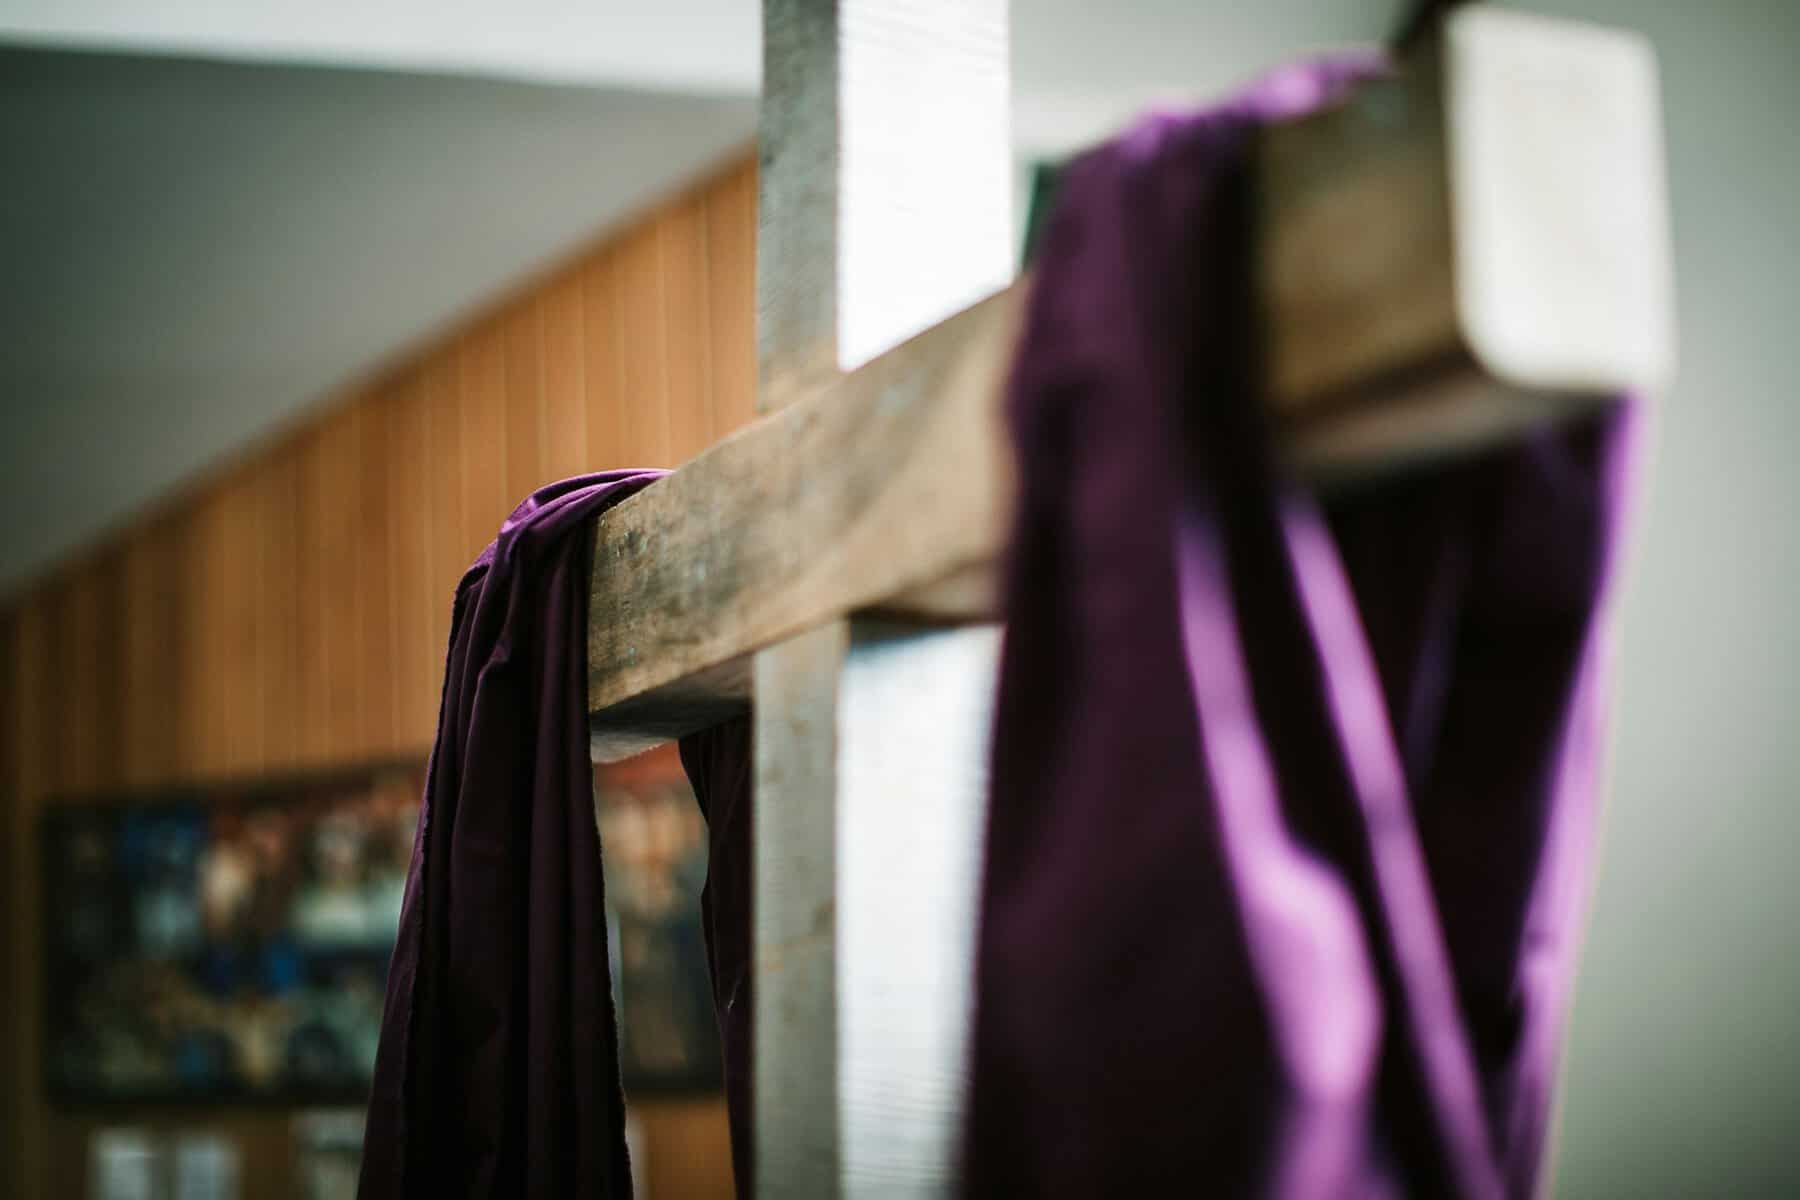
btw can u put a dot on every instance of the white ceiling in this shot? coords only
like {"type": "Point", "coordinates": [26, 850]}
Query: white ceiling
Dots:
{"type": "Point", "coordinates": [213, 215]}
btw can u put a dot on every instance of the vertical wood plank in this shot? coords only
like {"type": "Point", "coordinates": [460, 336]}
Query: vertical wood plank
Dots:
{"type": "Point", "coordinates": [418, 657]}
{"type": "Point", "coordinates": [153, 692]}
{"type": "Point", "coordinates": [444, 478]}
{"type": "Point", "coordinates": [915, 710]}
{"type": "Point", "coordinates": [206, 751]}
{"type": "Point", "coordinates": [90, 762]}
{"type": "Point", "coordinates": [603, 373]}
{"type": "Point", "coordinates": [278, 606]}
{"type": "Point", "coordinates": [525, 425]}
{"type": "Point", "coordinates": [239, 572]}
{"type": "Point", "coordinates": [689, 1149]}
{"type": "Point", "coordinates": [376, 735]}
{"type": "Point", "coordinates": [795, 843]}
{"type": "Point", "coordinates": [311, 708]}
{"type": "Point", "coordinates": [643, 373]}
{"type": "Point", "coordinates": [340, 584]}
{"type": "Point", "coordinates": [731, 296]}
{"type": "Point", "coordinates": [795, 1054]}
{"type": "Point", "coordinates": [681, 243]}
{"type": "Point", "coordinates": [183, 532]}
{"type": "Point", "coordinates": [885, 205]}
{"type": "Point", "coordinates": [565, 370]}
{"type": "Point", "coordinates": [484, 442]}
{"type": "Point", "coordinates": [294, 612]}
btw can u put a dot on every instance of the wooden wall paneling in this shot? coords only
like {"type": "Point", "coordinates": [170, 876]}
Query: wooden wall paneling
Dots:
{"type": "Point", "coordinates": [522, 329]}
{"type": "Point", "coordinates": [92, 630]}
{"type": "Point", "coordinates": [482, 356]}
{"type": "Point", "coordinates": [238, 571]}
{"type": "Point", "coordinates": [63, 689]}
{"type": "Point", "coordinates": [688, 1148]}
{"type": "Point", "coordinates": [687, 334]}
{"type": "Point", "coordinates": [222, 731]}
{"type": "Point", "coordinates": [418, 656]}
{"type": "Point", "coordinates": [376, 730]}
{"type": "Point", "coordinates": [311, 709]}
{"type": "Point", "coordinates": [731, 295]}
{"type": "Point", "coordinates": [604, 364]}
{"type": "Point", "coordinates": [443, 473]}
{"type": "Point", "coordinates": [153, 679]}
{"type": "Point", "coordinates": [44, 650]}
{"type": "Point", "coordinates": [643, 372]}
{"type": "Point", "coordinates": [294, 612]}
{"type": "Point", "coordinates": [564, 382]}
{"type": "Point", "coordinates": [340, 583]}
{"type": "Point", "coordinates": [279, 604]}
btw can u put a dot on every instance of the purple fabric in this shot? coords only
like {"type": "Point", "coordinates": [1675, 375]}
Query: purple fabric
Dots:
{"type": "Point", "coordinates": [498, 1070]}
{"type": "Point", "coordinates": [1292, 806]}
{"type": "Point", "coordinates": [718, 763]}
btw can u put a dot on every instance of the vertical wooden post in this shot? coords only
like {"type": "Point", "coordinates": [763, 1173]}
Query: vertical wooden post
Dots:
{"type": "Point", "coordinates": [885, 206]}
{"type": "Point", "coordinates": [915, 711]}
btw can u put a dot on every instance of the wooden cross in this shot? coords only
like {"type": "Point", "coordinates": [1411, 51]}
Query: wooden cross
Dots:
{"type": "Point", "coordinates": [1473, 245]}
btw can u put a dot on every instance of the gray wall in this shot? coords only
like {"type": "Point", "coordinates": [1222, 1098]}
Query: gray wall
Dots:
{"type": "Point", "coordinates": [1683, 1077]}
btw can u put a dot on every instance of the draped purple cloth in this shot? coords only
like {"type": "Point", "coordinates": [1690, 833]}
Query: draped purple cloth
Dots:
{"type": "Point", "coordinates": [498, 1071]}
{"type": "Point", "coordinates": [1292, 803]}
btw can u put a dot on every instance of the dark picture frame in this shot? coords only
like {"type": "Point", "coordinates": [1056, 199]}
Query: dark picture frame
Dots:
{"type": "Point", "coordinates": [223, 943]}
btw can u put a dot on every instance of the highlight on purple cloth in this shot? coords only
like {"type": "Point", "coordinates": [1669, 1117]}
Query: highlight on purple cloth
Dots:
{"type": "Point", "coordinates": [1292, 801]}
{"type": "Point", "coordinates": [1292, 804]}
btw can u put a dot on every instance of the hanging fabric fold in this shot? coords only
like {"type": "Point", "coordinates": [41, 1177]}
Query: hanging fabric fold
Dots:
{"type": "Point", "coordinates": [498, 1071]}
{"type": "Point", "coordinates": [1292, 805]}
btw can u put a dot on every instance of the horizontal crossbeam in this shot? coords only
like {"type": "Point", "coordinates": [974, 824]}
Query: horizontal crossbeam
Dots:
{"type": "Point", "coordinates": [1399, 326]}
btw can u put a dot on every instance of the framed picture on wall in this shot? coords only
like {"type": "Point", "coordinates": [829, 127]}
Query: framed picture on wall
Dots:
{"type": "Point", "coordinates": [225, 944]}
{"type": "Point", "coordinates": [653, 842]}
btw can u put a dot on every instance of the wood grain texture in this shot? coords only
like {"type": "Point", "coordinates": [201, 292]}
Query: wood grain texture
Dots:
{"type": "Point", "coordinates": [90, 735]}
{"type": "Point", "coordinates": [1366, 371]}
{"type": "Point", "coordinates": [340, 595]}
{"type": "Point", "coordinates": [905, 482]}
{"type": "Point", "coordinates": [795, 915]}
{"type": "Point", "coordinates": [688, 1148]}
{"type": "Point", "coordinates": [603, 364]}
{"type": "Point", "coordinates": [1465, 249]}
{"type": "Point", "coordinates": [687, 334]}
{"type": "Point", "coordinates": [1353, 272]}
{"type": "Point", "coordinates": [798, 139]}
{"type": "Point", "coordinates": [914, 718]}
{"type": "Point", "coordinates": [291, 611]}
{"type": "Point", "coordinates": [449, 555]}
{"type": "Point", "coordinates": [525, 428]}
{"type": "Point", "coordinates": [204, 753]}
{"type": "Point", "coordinates": [643, 400]}
{"type": "Point", "coordinates": [564, 381]}
{"type": "Point", "coordinates": [417, 657]}
{"type": "Point", "coordinates": [375, 734]}
{"type": "Point", "coordinates": [239, 570]}
{"type": "Point", "coordinates": [153, 684]}
{"type": "Point", "coordinates": [483, 409]}
{"type": "Point", "coordinates": [885, 204]}
{"type": "Point", "coordinates": [279, 605]}
{"type": "Point", "coordinates": [730, 295]}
